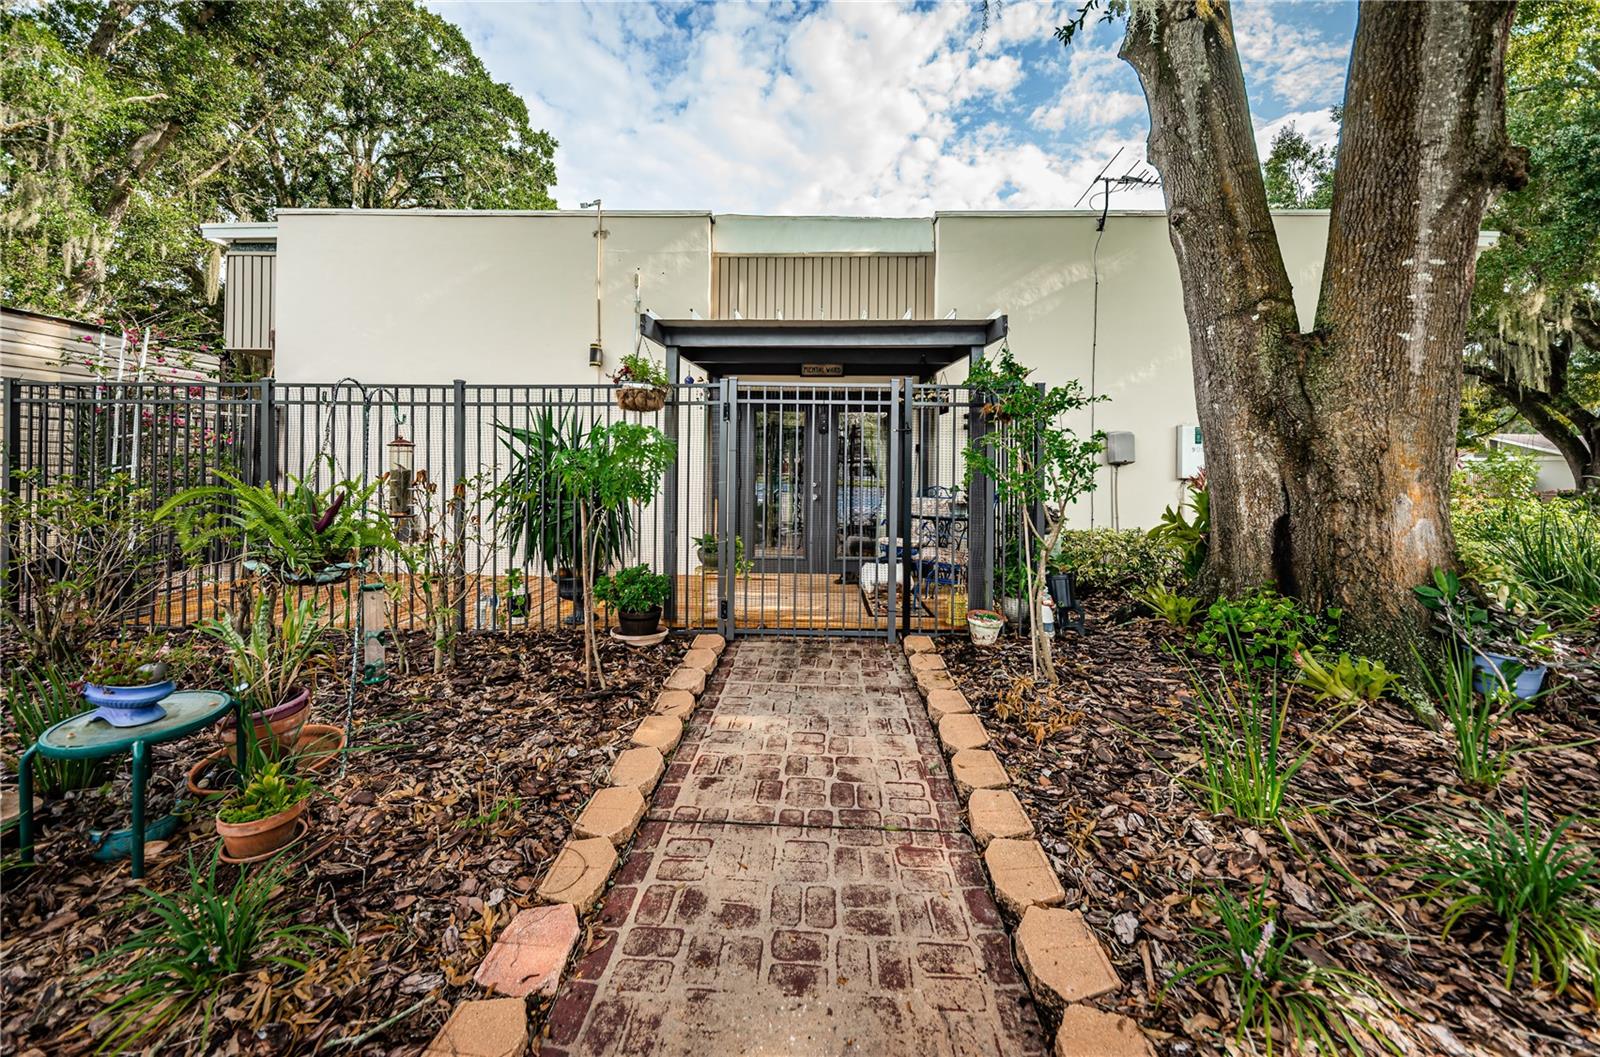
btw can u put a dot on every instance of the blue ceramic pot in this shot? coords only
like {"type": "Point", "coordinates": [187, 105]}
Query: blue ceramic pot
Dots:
{"type": "Point", "coordinates": [1525, 685]}
{"type": "Point", "coordinates": [129, 706]}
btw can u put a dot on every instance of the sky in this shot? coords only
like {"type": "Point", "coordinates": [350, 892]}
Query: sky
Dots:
{"type": "Point", "coordinates": [865, 108]}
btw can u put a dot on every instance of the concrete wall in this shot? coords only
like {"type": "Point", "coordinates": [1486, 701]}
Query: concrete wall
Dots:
{"type": "Point", "coordinates": [418, 297]}
{"type": "Point", "coordinates": [1039, 269]}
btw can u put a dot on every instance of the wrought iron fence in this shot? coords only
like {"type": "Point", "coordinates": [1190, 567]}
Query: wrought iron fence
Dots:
{"type": "Point", "coordinates": [790, 508]}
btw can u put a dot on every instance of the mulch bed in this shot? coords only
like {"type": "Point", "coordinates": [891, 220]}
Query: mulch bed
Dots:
{"type": "Point", "coordinates": [460, 789]}
{"type": "Point", "coordinates": [1137, 851]}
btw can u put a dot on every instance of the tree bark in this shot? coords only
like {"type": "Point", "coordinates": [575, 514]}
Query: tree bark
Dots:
{"type": "Point", "coordinates": [1328, 454]}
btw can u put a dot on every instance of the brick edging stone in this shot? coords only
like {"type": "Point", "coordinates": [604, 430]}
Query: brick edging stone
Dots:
{"type": "Point", "coordinates": [532, 952]}
{"type": "Point", "coordinates": [1060, 956]}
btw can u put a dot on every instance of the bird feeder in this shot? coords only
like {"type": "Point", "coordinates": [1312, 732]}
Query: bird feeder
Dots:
{"type": "Point", "coordinates": [402, 474]}
{"type": "Point", "coordinates": [374, 629]}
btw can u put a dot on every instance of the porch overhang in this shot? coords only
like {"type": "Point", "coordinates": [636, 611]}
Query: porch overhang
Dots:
{"type": "Point", "coordinates": [890, 348]}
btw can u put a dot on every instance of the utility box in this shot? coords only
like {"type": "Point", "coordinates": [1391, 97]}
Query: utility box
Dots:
{"type": "Point", "coordinates": [1119, 447]}
{"type": "Point", "coordinates": [1191, 452]}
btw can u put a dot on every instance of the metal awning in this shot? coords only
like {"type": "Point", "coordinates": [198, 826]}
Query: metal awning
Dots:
{"type": "Point", "coordinates": [889, 348]}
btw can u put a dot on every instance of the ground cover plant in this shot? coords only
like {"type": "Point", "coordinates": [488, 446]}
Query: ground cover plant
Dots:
{"type": "Point", "coordinates": [1123, 811]}
{"type": "Point", "coordinates": [458, 789]}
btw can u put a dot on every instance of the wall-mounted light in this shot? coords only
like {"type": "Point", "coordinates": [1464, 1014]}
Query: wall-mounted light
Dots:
{"type": "Point", "coordinates": [596, 356]}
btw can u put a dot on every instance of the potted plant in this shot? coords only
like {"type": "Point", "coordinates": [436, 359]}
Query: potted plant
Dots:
{"type": "Point", "coordinates": [301, 535]}
{"type": "Point", "coordinates": [1478, 627]}
{"type": "Point", "coordinates": [636, 594]}
{"type": "Point", "coordinates": [270, 665]}
{"type": "Point", "coordinates": [126, 679]}
{"type": "Point", "coordinates": [538, 513]}
{"type": "Point", "coordinates": [708, 547]}
{"type": "Point", "coordinates": [516, 595]}
{"type": "Point", "coordinates": [984, 626]}
{"type": "Point", "coordinates": [641, 384]}
{"type": "Point", "coordinates": [262, 816]}
{"type": "Point", "coordinates": [1014, 583]}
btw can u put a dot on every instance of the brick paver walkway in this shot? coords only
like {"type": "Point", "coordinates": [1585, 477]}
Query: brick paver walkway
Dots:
{"type": "Point", "coordinates": [802, 885]}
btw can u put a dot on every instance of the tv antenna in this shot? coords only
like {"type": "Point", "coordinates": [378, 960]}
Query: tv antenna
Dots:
{"type": "Point", "coordinates": [1138, 174]}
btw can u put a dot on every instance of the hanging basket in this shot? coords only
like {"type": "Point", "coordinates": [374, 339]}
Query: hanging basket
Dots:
{"type": "Point", "coordinates": [330, 574]}
{"type": "Point", "coordinates": [641, 398]}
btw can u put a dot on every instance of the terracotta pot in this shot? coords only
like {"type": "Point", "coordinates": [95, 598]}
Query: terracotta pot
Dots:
{"type": "Point", "coordinates": [198, 775]}
{"type": "Point", "coordinates": [319, 747]}
{"type": "Point", "coordinates": [277, 728]}
{"type": "Point", "coordinates": [249, 840]}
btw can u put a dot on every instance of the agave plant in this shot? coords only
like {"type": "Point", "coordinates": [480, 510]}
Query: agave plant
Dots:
{"type": "Point", "coordinates": [298, 533]}
{"type": "Point", "coordinates": [537, 514]}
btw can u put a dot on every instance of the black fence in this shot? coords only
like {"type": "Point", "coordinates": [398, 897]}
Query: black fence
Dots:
{"type": "Point", "coordinates": [791, 508]}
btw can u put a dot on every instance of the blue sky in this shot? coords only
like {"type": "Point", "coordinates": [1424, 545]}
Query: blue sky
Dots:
{"type": "Point", "coordinates": [876, 108]}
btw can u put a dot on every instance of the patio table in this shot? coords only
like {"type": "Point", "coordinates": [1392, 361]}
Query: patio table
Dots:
{"type": "Point", "coordinates": [87, 737]}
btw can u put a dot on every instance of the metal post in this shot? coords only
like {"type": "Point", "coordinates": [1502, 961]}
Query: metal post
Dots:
{"type": "Point", "coordinates": [903, 472]}
{"type": "Point", "coordinates": [892, 514]}
{"type": "Point", "coordinates": [10, 463]}
{"type": "Point", "coordinates": [980, 509]}
{"type": "Point", "coordinates": [669, 501]}
{"type": "Point", "coordinates": [266, 434]}
{"type": "Point", "coordinates": [458, 481]}
{"type": "Point", "coordinates": [727, 508]}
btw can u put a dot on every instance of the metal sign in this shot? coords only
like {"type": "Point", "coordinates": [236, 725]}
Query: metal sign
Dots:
{"type": "Point", "coordinates": [822, 370]}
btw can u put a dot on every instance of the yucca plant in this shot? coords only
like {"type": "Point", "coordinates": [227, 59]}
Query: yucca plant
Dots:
{"type": "Point", "coordinates": [298, 533]}
{"type": "Point", "coordinates": [205, 937]}
{"type": "Point", "coordinates": [37, 701]}
{"type": "Point", "coordinates": [1538, 885]}
{"type": "Point", "coordinates": [268, 659]}
{"type": "Point", "coordinates": [1475, 718]}
{"type": "Point", "coordinates": [1284, 1000]}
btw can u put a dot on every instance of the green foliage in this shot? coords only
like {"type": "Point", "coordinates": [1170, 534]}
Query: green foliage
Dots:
{"type": "Point", "coordinates": [1298, 175]}
{"type": "Point", "coordinates": [445, 554]}
{"type": "Point", "coordinates": [1191, 536]}
{"type": "Point", "coordinates": [85, 558]}
{"type": "Point", "coordinates": [1176, 609]}
{"type": "Point", "coordinates": [204, 939]}
{"type": "Point", "coordinates": [1475, 718]}
{"type": "Point", "coordinates": [538, 513]}
{"type": "Point", "coordinates": [1361, 679]}
{"type": "Point", "coordinates": [268, 661]}
{"type": "Point", "coordinates": [1287, 1001]}
{"type": "Point", "coordinates": [633, 590]}
{"type": "Point", "coordinates": [298, 533]}
{"type": "Point", "coordinates": [1551, 551]}
{"type": "Point", "coordinates": [1263, 628]}
{"type": "Point", "coordinates": [640, 369]}
{"type": "Point", "coordinates": [1243, 719]}
{"type": "Point", "coordinates": [127, 662]}
{"type": "Point", "coordinates": [709, 544]}
{"type": "Point", "coordinates": [1496, 476]}
{"type": "Point", "coordinates": [1107, 559]}
{"type": "Point", "coordinates": [37, 701]}
{"type": "Point", "coordinates": [270, 790]}
{"type": "Point", "coordinates": [123, 127]}
{"type": "Point", "coordinates": [1541, 887]}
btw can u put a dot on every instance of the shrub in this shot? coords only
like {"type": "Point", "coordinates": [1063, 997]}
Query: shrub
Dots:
{"type": "Point", "coordinates": [204, 937]}
{"type": "Point", "coordinates": [1495, 475]}
{"type": "Point", "coordinates": [1475, 719]}
{"type": "Point", "coordinates": [1361, 679]}
{"type": "Point", "coordinates": [1191, 537]}
{"type": "Point", "coordinates": [1111, 560]}
{"type": "Point", "coordinates": [1542, 889]}
{"type": "Point", "coordinates": [633, 590]}
{"type": "Point", "coordinates": [268, 660]}
{"type": "Point", "coordinates": [1552, 552]}
{"type": "Point", "coordinates": [1287, 1000]}
{"type": "Point", "coordinates": [1263, 628]}
{"type": "Point", "coordinates": [1176, 609]}
{"type": "Point", "coordinates": [38, 701]}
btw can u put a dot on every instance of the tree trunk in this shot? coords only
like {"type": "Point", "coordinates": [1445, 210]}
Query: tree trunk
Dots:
{"type": "Point", "coordinates": [1328, 454]}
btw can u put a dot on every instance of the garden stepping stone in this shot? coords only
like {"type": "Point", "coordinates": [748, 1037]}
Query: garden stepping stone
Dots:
{"type": "Point", "coordinates": [529, 955]}
{"type": "Point", "coordinates": [483, 1027]}
{"type": "Point", "coordinates": [704, 660]}
{"type": "Point", "coordinates": [997, 813]}
{"type": "Point", "coordinates": [715, 643]}
{"type": "Point", "coordinates": [927, 662]}
{"type": "Point", "coordinates": [691, 680]}
{"type": "Point", "coordinates": [919, 644]}
{"type": "Point", "coordinates": [637, 768]}
{"type": "Point", "coordinates": [1061, 958]}
{"type": "Point", "coordinates": [962, 731]}
{"type": "Point", "coordinates": [1087, 1032]}
{"type": "Point", "coordinates": [660, 733]}
{"type": "Point", "coordinates": [934, 680]}
{"type": "Point", "coordinates": [1022, 875]}
{"type": "Point", "coordinates": [579, 872]}
{"type": "Point", "coordinates": [612, 813]}
{"type": "Point", "coordinates": [942, 703]}
{"type": "Point", "coordinates": [977, 769]}
{"type": "Point", "coordinates": [677, 703]}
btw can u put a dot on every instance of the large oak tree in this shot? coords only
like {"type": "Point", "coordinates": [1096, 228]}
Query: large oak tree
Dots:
{"type": "Point", "coordinates": [1328, 453]}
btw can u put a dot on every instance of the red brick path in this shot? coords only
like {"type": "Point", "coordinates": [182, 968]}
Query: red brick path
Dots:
{"type": "Point", "coordinates": [803, 884]}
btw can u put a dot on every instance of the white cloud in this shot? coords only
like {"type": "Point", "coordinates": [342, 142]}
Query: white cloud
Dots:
{"type": "Point", "coordinates": [1291, 59]}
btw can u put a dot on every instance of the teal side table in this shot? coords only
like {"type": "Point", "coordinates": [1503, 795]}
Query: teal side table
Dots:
{"type": "Point", "coordinates": [87, 737]}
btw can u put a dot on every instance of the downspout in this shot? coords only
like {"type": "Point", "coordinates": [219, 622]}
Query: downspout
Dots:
{"type": "Point", "coordinates": [597, 350]}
